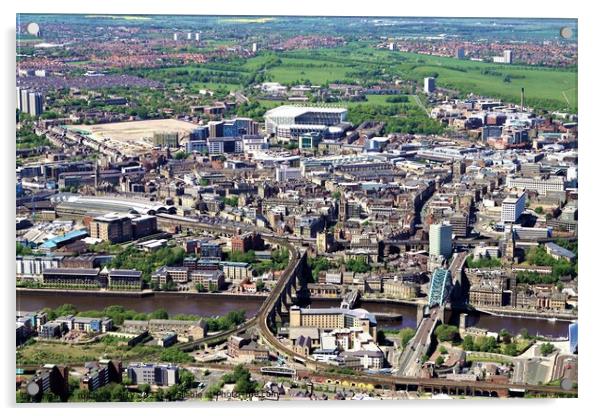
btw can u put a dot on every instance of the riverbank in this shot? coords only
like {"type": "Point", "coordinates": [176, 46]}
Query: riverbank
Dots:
{"type": "Point", "coordinates": [142, 294]}
{"type": "Point", "coordinates": [520, 313]}
{"type": "Point", "coordinates": [219, 304]}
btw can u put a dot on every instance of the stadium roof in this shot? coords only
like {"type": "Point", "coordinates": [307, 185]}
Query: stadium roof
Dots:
{"type": "Point", "coordinates": [295, 111]}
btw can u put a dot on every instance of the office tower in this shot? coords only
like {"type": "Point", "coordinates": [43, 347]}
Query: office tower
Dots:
{"type": "Point", "coordinates": [508, 56]}
{"type": "Point", "coordinates": [19, 102]}
{"type": "Point", "coordinates": [429, 85]}
{"type": "Point", "coordinates": [175, 36]}
{"type": "Point", "coordinates": [254, 47]}
{"type": "Point", "coordinates": [460, 53]}
{"type": "Point", "coordinates": [440, 240]}
{"type": "Point", "coordinates": [24, 101]}
{"type": "Point", "coordinates": [512, 207]}
{"type": "Point", "coordinates": [35, 103]}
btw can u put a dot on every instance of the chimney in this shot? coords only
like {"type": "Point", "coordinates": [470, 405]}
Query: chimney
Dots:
{"type": "Point", "coordinates": [522, 99]}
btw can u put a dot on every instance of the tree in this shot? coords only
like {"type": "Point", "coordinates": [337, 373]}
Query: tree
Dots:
{"type": "Point", "coordinates": [505, 336]}
{"type": "Point", "coordinates": [406, 334]}
{"type": "Point", "coordinates": [547, 349]}
{"type": "Point", "coordinates": [23, 250]}
{"type": "Point", "coordinates": [50, 398]}
{"type": "Point", "coordinates": [511, 349]}
{"type": "Point", "coordinates": [174, 355]}
{"type": "Point", "coordinates": [119, 393]}
{"type": "Point", "coordinates": [80, 395]}
{"type": "Point", "coordinates": [440, 360]}
{"type": "Point", "coordinates": [468, 343]}
{"type": "Point", "coordinates": [446, 332]}
{"type": "Point", "coordinates": [159, 314]}
{"type": "Point", "coordinates": [187, 379]}
{"type": "Point", "coordinates": [260, 285]}
{"type": "Point", "coordinates": [23, 397]}
{"type": "Point", "coordinates": [144, 389]}
{"type": "Point", "coordinates": [357, 266]}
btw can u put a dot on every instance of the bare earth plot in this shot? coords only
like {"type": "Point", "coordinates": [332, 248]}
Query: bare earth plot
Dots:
{"type": "Point", "coordinates": [133, 137]}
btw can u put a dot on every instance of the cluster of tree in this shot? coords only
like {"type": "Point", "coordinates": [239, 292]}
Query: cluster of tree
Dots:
{"type": "Point", "coordinates": [231, 201]}
{"type": "Point", "coordinates": [279, 261]}
{"type": "Point", "coordinates": [115, 392]}
{"type": "Point", "coordinates": [240, 377]}
{"type": "Point", "coordinates": [397, 99]}
{"type": "Point", "coordinates": [482, 262]}
{"type": "Point", "coordinates": [239, 256]}
{"type": "Point", "coordinates": [211, 288]}
{"type": "Point", "coordinates": [119, 314]}
{"type": "Point", "coordinates": [398, 118]}
{"type": "Point", "coordinates": [405, 335]}
{"type": "Point", "coordinates": [547, 349]}
{"type": "Point", "coordinates": [357, 266]}
{"type": "Point", "coordinates": [489, 344]}
{"type": "Point", "coordinates": [181, 155]}
{"type": "Point", "coordinates": [28, 139]}
{"type": "Point", "coordinates": [534, 278]}
{"type": "Point", "coordinates": [485, 344]}
{"type": "Point", "coordinates": [147, 263]}
{"type": "Point", "coordinates": [226, 322]}
{"type": "Point", "coordinates": [116, 312]}
{"type": "Point", "coordinates": [253, 109]}
{"type": "Point", "coordinates": [317, 265]}
{"type": "Point", "coordinates": [447, 333]}
{"type": "Point", "coordinates": [23, 250]}
{"type": "Point", "coordinates": [174, 355]}
{"type": "Point", "coordinates": [539, 257]}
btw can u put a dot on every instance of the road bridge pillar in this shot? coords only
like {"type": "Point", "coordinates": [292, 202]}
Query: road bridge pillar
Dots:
{"type": "Point", "coordinates": [419, 315]}
{"type": "Point", "coordinates": [288, 297]}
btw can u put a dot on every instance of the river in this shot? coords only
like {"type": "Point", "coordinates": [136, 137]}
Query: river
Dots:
{"type": "Point", "coordinates": [216, 304]}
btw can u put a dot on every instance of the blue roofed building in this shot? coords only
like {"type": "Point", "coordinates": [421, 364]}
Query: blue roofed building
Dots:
{"type": "Point", "coordinates": [559, 252]}
{"type": "Point", "coordinates": [58, 242]}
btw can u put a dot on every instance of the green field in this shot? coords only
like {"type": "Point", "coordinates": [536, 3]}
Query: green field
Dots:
{"type": "Point", "coordinates": [545, 88]}
{"type": "Point", "coordinates": [44, 352]}
{"type": "Point", "coordinates": [498, 80]}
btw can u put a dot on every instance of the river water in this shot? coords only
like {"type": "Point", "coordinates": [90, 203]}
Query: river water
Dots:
{"type": "Point", "coordinates": [215, 305]}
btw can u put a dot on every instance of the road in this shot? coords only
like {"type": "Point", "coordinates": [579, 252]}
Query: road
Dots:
{"type": "Point", "coordinates": [410, 361]}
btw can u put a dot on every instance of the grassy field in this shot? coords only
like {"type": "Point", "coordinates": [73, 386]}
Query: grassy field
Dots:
{"type": "Point", "coordinates": [370, 99]}
{"type": "Point", "coordinates": [545, 88]}
{"type": "Point", "coordinates": [549, 88]}
{"type": "Point", "coordinates": [488, 359]}
{"type": "Point", "coordinates": [496, 79]}
{"type": "Point", "coordinates": [43, 352]}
